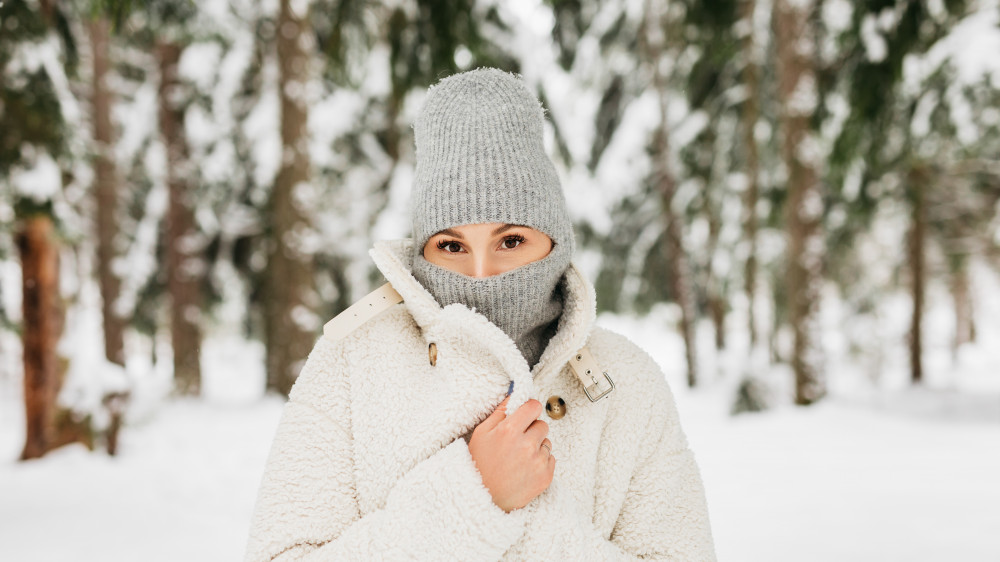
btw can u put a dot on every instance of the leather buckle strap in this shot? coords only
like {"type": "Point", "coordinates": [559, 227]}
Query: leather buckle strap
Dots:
{"type": "Point", "coordinates": [586, 369]}
{"type": "Point", "coordinates": [362, 311]}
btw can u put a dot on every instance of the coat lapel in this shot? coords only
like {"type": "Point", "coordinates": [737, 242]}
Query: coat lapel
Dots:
{"type": "Point", "coordinates": [405, 409]}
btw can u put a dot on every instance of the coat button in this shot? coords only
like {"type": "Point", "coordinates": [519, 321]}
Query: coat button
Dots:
{"type": "Point", "coordinates": [432, 353]}
{"type": "Point", "coordinates": [555, 407]}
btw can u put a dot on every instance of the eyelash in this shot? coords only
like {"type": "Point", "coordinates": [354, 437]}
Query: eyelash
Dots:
{"type": "Point", "coordinates": [515, 237]}
{"type": "Point", "coordinates": [445, 243]}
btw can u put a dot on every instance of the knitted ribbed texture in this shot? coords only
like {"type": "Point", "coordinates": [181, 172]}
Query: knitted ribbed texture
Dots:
{"type": "Point", "coordinates": [481, 159]}
{"type": "Point", "coordinates": [524, 302]}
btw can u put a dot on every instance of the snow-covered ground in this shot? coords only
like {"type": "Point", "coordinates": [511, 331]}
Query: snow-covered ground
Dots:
{"type": "Point", "coordinates": [839, 481]}
{"type": "Point", "coordinates": [876, 472]}
{"type": "Point", "coordinates": [181, 489]}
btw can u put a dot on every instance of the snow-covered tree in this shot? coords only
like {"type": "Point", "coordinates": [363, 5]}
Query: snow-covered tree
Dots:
{"type": "Point", "coordinates": [38, 117]}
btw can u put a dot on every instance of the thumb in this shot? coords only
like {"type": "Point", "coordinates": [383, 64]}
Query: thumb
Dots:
{"type": "Point", "coordinates": [497, 416]}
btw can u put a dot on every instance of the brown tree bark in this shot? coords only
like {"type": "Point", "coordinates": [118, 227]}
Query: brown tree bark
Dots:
{"type": "Point", "coordinates": [717, 308]}
{"type": "Point", "coordinates": [750, 115]}
{"type": "Point", "coordinates": [962, 295]}
{"type": "Point", "coordinates": [916, 246]}
{"type": "Point", "coordinates": [654, 44]}
{"type": "Point", "coordinates": [677, 257]}
{"type": "Point", "coordinates": [39, 254]}
{"type": "Point", "coordinates": [183, 263]}
{"type": "Point", "coordinates": [289, 280]}
{"type": "Point", "coordinates": [713, 284]}
{"type": "Point", "coordinates": [795, 45]}
{"type": "Point", "coordinates": [106, 193]}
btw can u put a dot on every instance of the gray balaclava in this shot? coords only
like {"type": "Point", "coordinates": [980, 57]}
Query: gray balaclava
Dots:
{"type": "Point", "coordinates": [481, 159]}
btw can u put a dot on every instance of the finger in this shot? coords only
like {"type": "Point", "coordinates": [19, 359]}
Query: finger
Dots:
{"type": "Point", "coordinates": [521, 418]}
{"type": "Point", "coordinates": [497, 416]}
{"type": "Point", "coordinates": [537, 431]}
{"type": "Point", "coordinates": [546, 447]}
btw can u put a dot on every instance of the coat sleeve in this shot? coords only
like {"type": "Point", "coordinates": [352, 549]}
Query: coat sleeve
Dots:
{"type": "Point", "coordinates": [307, 509]}
{"type": "Point", "coordinates": [664, 515]}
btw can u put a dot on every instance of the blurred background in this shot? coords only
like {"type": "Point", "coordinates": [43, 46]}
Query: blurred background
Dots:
{"type": "Point", "coordinates": [793, 205]}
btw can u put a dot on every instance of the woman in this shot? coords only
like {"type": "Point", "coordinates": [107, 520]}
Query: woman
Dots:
{"type": "Point", "coordinates": [398, 442]}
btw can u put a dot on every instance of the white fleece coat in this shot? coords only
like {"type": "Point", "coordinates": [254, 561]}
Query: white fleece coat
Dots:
{"type": "Point", "coordinates": [369, 460]}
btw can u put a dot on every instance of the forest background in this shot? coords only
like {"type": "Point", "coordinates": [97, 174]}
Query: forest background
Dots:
{"type": "Point", "coordinates": [793, 204]}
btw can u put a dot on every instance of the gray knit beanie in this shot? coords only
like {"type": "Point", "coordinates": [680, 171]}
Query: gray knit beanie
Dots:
{"type": "Point", "coordinates": [481, 159]}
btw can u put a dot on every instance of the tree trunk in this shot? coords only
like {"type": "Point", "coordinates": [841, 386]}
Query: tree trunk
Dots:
{"type": "Point", "coordinates": [677, 258]}
{"type": "Point", "coordinates": [960, 290]}
{"type": "Point", "coordinates": [39, 253]}
{"type": "Point", "coordinates": [714, 284]}
{"type": "Point", "coordinates": [797, 91]}
{"type": "Point", "coordinates": [916, 249]}
{"type": "Point", "coordinates": [654, 46]}
{"type": "Point", "coordinates": [106, 193]}
{"type": "Point", "coordinates": [289, 270]}
{"type": "Point", "coordinates": [750, 114]}
{"type": "Point", "coordinates": [717, 308]}
{"type": "Point", "coordinates": [183, 263]}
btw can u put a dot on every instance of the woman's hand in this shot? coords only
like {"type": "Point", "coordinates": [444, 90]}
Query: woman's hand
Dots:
{"type": "Point", "coordinates": [510, 456]}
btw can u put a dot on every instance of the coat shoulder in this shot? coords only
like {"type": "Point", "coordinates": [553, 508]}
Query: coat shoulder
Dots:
{"type": "Point", "coordinates": [394, 326]}
{"type": "Point", "coordinates": [329, 364]}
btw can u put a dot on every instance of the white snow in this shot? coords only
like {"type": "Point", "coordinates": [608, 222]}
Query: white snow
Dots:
{"type": "Point", "coordinates": [199, 63]}
{"type": "Point", "coordinates": [182, 488]}
{"type": "Point", "coordinates": [141, 255]}
{"type": "Point", "coordinates": [804, 97]}
{"type": "Point", "coordinates": [262, 125]}
{"type": "Point", "coordinates": [837, 15]}
{"type": "Point", "coordinates": [801, 5]}
{"type": "Point", "coordinates": [840, 482]}
{"type": "Point", "coordinates": [299, 8]}
{"type": "Point", "coordinates": [875, 45]}
{"type": "Point", "coordinates": [394, 221]}
{"type": "Point", "coordinates": [136, 118]}
{"type": "Point", "coordinates": [971, 48]}
{"type": "Point", "coordinates": [41, 181]}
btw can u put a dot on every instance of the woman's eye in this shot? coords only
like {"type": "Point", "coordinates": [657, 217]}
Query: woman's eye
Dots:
{"type": "Point", "coordinates": [512, 242]}
{"type": "Point", "coordinates": [449, 246]}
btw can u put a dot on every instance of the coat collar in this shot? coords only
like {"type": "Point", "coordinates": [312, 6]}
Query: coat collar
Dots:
{"type": "Point", "coordinates": [394, 258]}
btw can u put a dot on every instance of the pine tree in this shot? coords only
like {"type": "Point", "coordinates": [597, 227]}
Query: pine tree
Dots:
{"type": "Point", "coordinates": [34, 137]}
{"type": "Point", "coordinates": [903, 144]}
{"type": "Point", "coordinates": [798, 91]}
{"type": "Point", "coordinates": [748, 124]}
{"type": "Point", "coordinates": [183, 276]}
{"type": "Point", "coordinates": [655, 43]}
{"type": "Point", "coordinates": [290, 285]}
{"type": "Point", "coordinates": [162, 28]}
{"type": "Point", "coordinates": [641, 238]}
{"type": "Point", "coordinates": [106, 189]}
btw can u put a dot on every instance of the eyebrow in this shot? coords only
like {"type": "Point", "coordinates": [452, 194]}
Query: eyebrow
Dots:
{"type": "Point", "coordinates": [452, 233]}
{"type": "Point", "coordinates": [504, 228]}
{"type": "Point", "coordinates": [499, 230]}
